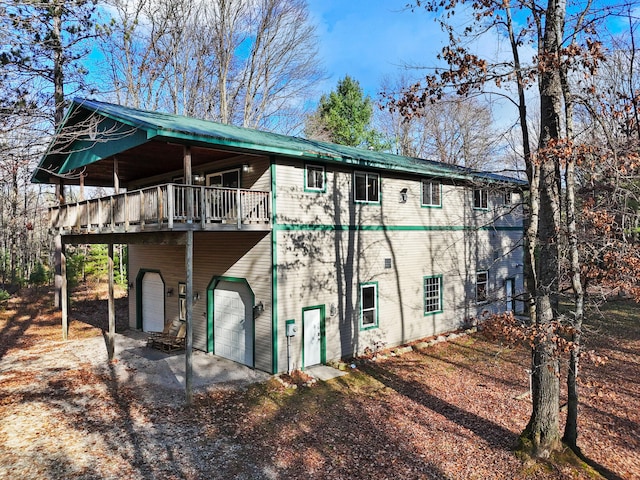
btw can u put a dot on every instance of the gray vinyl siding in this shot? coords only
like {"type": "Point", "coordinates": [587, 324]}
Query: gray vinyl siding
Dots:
{"type": "Point", "coordinates": [308, 276]}
{"type": "Point", "coordinates": [328, 245]}
{"type": "Point", "coordinates": [230, 254]}
{"type": "Point", "coordinates": [336, 205]}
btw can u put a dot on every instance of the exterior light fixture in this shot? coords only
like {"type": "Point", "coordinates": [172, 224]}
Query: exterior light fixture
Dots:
{"type": "Point", "coordinates": [258, 309]}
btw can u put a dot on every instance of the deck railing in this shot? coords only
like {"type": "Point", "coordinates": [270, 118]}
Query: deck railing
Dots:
{"type": "Point", "coordinates": [164, 207]}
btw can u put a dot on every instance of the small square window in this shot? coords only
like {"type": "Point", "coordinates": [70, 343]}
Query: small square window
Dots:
{"type": "Point", "coordinates": [482, 286]}
{"type": "Point", "coordinates": [314, 178]}
{"type": "Point", "coordinates": [431, 193]}
{"type": "Point", "coordinates": [480, 198]}
{"type": "Point", "coordinates": [368, 305]}
{"type": "Point", "coordinates": [432, 295]}
{"type": "Point", "coordinates": [366, 187]}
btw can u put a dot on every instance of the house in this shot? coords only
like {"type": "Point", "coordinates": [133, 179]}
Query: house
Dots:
{"type": "Point", "coordinates": [284, 252]}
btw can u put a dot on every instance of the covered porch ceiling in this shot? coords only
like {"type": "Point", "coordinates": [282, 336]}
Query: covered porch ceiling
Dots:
{"type": "Point", "coordinates": [148, 160]}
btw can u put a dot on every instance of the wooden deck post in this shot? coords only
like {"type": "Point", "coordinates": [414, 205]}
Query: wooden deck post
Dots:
{"type": "Point", "coordinates": [111, 336]}
{"type": "Point", "coordinates": [116, 176]}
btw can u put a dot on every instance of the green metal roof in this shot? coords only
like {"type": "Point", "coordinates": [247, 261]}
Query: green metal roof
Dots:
{"type": "Point", "coordinates": [156, 125]}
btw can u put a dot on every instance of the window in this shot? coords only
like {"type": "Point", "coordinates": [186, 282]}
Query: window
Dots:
{"type": "Point", "coordinates": [480, 198]}
{"type": "Point", "coordinates": [507, 198]}
{"type": "Point", "coordinates": [182, 301]}
{"type": "Point", "coordinates": [226, 179]}
{"type": "Point", "coordinates": [366, 187]}
{"type": "Point", "coordinates": [482, 286]}
{"type": "Point", "coordinates": [432, 294]}
{"type": "Point", "coordinates": [368, 305]}
{"type": "Point", "coordinates": [431, 193]}
{"type": "Point", "coordinates": [314, 178]}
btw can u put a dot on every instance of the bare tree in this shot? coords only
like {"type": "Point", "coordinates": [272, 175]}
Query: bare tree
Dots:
{"type": "Point", "coordinates": [249, 63]}
{"type": "Point", "coordinates": [454, 130]}
{"type": "Point", "coordinates": [566, 47]}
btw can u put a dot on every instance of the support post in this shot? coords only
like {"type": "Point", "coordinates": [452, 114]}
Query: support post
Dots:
{"type": "Point", "coordinates": [57, 271]}
{"type": "Point", "coordinates": [189, 330]}
{"type": "Point", "coordinates": [188, 260]}
{"type": "Point", "coordinates": [111, 336]}
{"type": "Point", "coordinates": [57, 255]}
{"type": "Point", "coordinates": [64, 294]}
{"type": "Point", "coordinates": [116, 177]}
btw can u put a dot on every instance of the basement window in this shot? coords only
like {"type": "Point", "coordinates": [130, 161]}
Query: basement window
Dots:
{"type": "Point", "coordinates": [482, 286]}
{"type": "Point", "coordinates": [432, 294]}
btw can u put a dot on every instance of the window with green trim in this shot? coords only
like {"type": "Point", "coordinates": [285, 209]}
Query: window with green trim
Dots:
{"type": "Point", "coordinates": [432, 294]}
{"type": "Point", "coordinates": [481, 198]}
{"type": "Point", "coordinates": [482, 286]}
{"type": "Point", "coordinates": [366, 187]}
{"type": "Point", "coordinates": [314, 178]}
{"type": "Point", "coordinates": [369, 305]}
{"type": "Point", "coordinates": [431, 193]}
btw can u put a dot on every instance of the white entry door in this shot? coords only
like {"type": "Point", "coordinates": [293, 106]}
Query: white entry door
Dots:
{"type": "Point", "coordinates": [312, 336]}
{"type": "Point", "coordinates": [233, 322]}
{"type": "Point", "coordinates": [509, 286]}
{"type": "Point", "coordinates": [152, 302]}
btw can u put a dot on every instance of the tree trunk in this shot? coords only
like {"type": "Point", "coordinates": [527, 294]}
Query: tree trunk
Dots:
{"type": "Point", "coordinates": [543, 429]}
{"type": "Point", "coordinates": [570, 436]}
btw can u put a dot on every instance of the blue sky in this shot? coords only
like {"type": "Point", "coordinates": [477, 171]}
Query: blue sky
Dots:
{"type": "Point", "coordinates": [368, 39]}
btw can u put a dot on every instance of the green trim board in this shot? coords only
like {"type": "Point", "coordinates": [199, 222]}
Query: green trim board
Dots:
{"type": "Point", "coordinates": [274, 271]}
{"type": "Point", "coordinates": [377, 305]}
{"type": "Point", "coordinates": [390, 228]}
{"type": "Point", "coordinates": [323, 333]}
{"type": "Point", "coordinates": [213, 283]}
{"type": "Point", "coordinates": [139, 277]}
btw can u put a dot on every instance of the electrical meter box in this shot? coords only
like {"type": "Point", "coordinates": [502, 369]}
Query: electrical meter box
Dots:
{"type": "Point", "coordinates": [291, 329]}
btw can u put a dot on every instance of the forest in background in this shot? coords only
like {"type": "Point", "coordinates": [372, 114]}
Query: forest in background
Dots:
{"type": "Point", "coordinates": [256, 64]}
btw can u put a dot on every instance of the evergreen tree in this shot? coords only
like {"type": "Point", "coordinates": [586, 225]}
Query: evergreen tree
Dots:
{"type": "Point", "coordinates": [344, 116]}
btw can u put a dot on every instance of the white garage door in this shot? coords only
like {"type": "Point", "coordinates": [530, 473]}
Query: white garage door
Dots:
{"type": "Point", "coordinates": [233, 322]}
{"type": "Point", "coordinates": [152, 302]}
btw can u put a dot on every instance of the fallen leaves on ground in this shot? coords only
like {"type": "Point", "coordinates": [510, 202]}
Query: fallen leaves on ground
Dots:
{"type": "Point", "coordinates": [451, 411]}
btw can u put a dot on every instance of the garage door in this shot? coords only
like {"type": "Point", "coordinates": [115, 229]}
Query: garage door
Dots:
{"type": "Point", "coordinates": [152, 302]}
{"type": "Point", "coordinates": [233, 322]}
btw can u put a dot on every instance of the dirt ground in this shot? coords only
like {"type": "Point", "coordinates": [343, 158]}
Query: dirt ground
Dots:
{"type": "Point", "coordinates": [450, 411]}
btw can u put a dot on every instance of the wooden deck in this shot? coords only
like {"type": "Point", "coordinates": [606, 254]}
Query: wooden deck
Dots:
{"type": "Point", "coordinates": [165, 208]}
